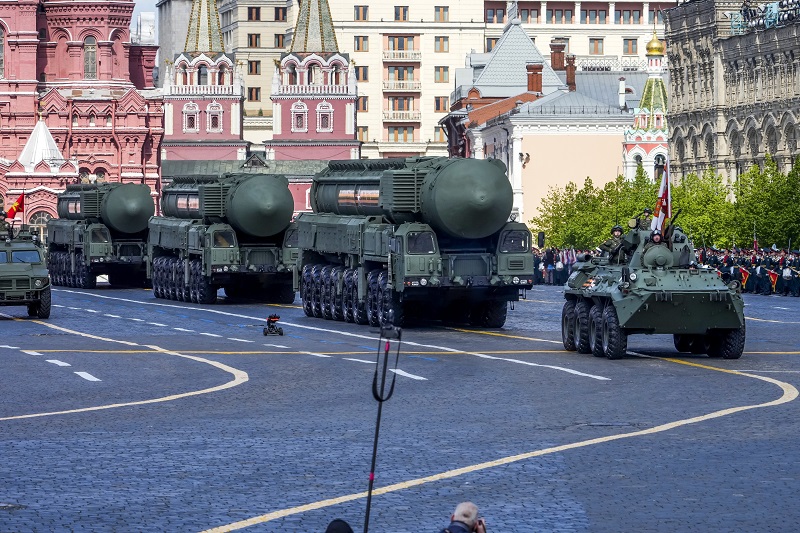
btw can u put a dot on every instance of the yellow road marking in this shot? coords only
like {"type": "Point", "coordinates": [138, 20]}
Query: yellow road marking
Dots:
{"type": "Point", "coordinates": [239, 377]}
{"type": "Point", "coordinates": [790, 393]}
{"type": "Point", "coordinates": [495, 334]}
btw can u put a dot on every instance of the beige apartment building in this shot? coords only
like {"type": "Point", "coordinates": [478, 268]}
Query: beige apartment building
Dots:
{"type": "Point", "coordinates": [405, 54]}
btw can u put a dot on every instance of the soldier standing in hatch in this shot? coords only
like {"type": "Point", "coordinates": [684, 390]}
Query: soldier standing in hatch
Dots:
{"type": "Point", "coordinates": [646, 220]}
{"type": "Point", "coordinates": [5, 226]}
{"type": "Point", "coordinates": [613, 246]}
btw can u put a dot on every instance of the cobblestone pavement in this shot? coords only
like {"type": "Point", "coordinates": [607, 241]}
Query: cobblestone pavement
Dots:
{"type": "Point", "coordinates": [127, 413]}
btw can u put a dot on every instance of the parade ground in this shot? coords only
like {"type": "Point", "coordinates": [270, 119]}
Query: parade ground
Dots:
{"type": "Point", "coordinates": [126, 413]}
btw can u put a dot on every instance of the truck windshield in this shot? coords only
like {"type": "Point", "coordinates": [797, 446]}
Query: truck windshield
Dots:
{"type": "Point", "coordinates": [25, 256]}
{"type": "Point", "coordinates": [514, 241]}
{"type": "Point", "coordinates": [421, 242]}
{"type": "Point", "coordinates": [99, 235]}
{"type": "Point", "coordinates": [224, 239]}
{"type": "Point", "coordinates": [3, 257]}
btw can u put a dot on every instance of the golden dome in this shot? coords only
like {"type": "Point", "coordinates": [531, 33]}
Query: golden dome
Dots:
{"type": "Point", "coordinates": [655, 47]}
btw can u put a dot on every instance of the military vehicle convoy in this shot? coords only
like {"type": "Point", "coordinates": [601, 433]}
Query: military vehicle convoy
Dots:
{"type": "Point", "coordinates": [397, 238]}
{"type": "Point", "coordinates": [24, 279]}
{"type": "Point", "coordinates": [101, 229]}
{"type": "Point", "coordinates": [658, 289]}
{"type": "Point", "coordinates": [232, 231]}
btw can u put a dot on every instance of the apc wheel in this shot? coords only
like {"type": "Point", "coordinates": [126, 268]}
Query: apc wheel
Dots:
{"type": "Point", "coordinates": [727, 343]}
{"type": "Point", "coordinates": [596, 331]}
{"type": "Point", "coordinates": [615, 341]}
{"type": "Point", "coordinates": [337, 293]}
{"type": "Point", "coordinates": [43, 307]}
{"type": "Point", "coordinates": [568, 325]}
{"type": "Point", "coordinates": [682, 342]}
{"type": "Point", "coordinates": [582, 326]}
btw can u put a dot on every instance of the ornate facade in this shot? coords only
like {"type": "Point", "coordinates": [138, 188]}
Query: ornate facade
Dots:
{"type": "Point", "coordinates": [734, 93]}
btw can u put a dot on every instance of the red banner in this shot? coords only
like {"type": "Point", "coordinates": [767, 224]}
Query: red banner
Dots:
{"type": "Point", "coordinates": [16, 207]}
{"type": "Point", "coordinates": [745, 275]}
{"type": "Point", "coordinates": [773, 278]}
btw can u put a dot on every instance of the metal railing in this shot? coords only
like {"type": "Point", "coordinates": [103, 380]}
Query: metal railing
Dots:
{"type": "Point", "coordinates": [402, 55]}
{"type": "Point", "coordinates": [402, 85]}
{"type": "Point", "coordinates": [402, 116]}
{"type": "Point", "coordinates": [313, 89]}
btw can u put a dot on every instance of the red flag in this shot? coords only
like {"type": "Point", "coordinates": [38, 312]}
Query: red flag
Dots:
{"type": "Point", "coordinates": [16, 207]}
{"type": "Point", "coordinates": [773, 278]}
{"type": "Point", "coordinates": [663, 202]}
{"type": "Point", "coordinates": [745, 274]}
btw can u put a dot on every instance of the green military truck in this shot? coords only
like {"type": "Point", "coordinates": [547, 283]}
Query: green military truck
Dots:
{"type": "Point", "coordinates": [101, 230]}
{"type": "Point", "coordinates": [24, 279]}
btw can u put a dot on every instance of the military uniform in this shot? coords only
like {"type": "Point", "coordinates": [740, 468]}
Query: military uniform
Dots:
{"type": "Point", "coordinates": [613, 247]}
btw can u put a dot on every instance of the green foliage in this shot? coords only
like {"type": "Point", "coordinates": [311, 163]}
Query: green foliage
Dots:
{"type": "Point", "coordinates": [712, 212]}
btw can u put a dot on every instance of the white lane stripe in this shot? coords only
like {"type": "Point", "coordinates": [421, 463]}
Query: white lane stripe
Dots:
{"type": "Point", "coordinates": [91, 310]}
{"type": "Point", "coordinates": [210, 334]}
{"type": "Point", "coordinates": [31, 352]}
{"type": "Point", "coordinates": [277, 346]}
{"type": "Point", "coordinates": [10, 347]}
{"type": "Point", "coordinates": [238, 340]}
{"type": "Point", "coordinates": [315, 354]}
{"type": "Point", "coordinates": [561, 368]}
{"type": "Point", "coordinates": [406, 374]}
{"type": "Point", "coordinates": [157, 324]}
{"type": "Point", "coordinates": [184, 329]}
{"type": "Point", "coordinates": [359, 360]}
{"type": "Point", "coordinates": [57, 362]}
{"type": "Point", "coordinates": [136, 319]}
{"type": "Point", "coordinates": [74, 308]}
{"type": "Point", "coordinates": [111, 316]}
{"type": "Point", "coordinates": [87, 376]}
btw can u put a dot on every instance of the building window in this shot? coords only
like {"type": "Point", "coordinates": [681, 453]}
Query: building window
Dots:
{"type": "Point", "coordinates": [630, 47]}
{"type": "Point", "coordinates": [280, 40]}
{"type": "Point", "coordinates": [299, 117]}
{"type": "Point", "coordinates": [254, 67]}
{"type": "Point", "coordinates": [254, 40]}
{"type": "Point", "coordinates": [108, 121]}
{"type": "Point", "coordinates": [254, 94]}
{"type": "Point", "coordinates": [637, 17]}
{"type": "Point", "coordinates": [214, 114]}
{"type": "Point", "coordinates": [596, 46]}
{"type": "Point", "coordinates": [439, 135]}
{"type": "Point", "coordinates": [362, 73]}
{"type": "Point", "coordinates": [601, 16]}
{"type": "Point", "coordinates": [652, 14]}
{"type": "Point", "coordinates": [92, 120]}
{"type": "Point", "coordinates": [291, 74]}
{"type": "Point", "coordinates": [401, 73]}
{"type": "Point", "coordinates": [495, 15]}
{"type": "Point", "coordinates": [361, 13]}
{"type": "Point", "coordinates": [441, 104]}
{"type": "Point", "coordinates": [441, 74]}
{"type": "Point", "coordinates": [280, 14]}
{"type": "Point", "coordinates": [441, 44]}
{"type": "Point", "coordinates": [314, 74]}
{"type": "Point", "coordinates": [401, 13]}
{"type": "Point", "coordinates": [191, 118]}
{"type": "Point", "coordinates": [441, 14]}
{"type": "Point", "coordinates": [529, 15]}
{"type": "Point", "coordinates": [363, 134]}
{"type": "Point", "coordinates": [362, 104]}
{"type": "Point", "coordinates": [362, 43]}
{"type": "Point", "coordinates": [400, 42]}
{"type": "Point", "coordinates": [401, 103]}
{"type": "Point", "coordinates": [400, 134]}
{"type": "Point", "coordinates": [202, 75]}
{"type": "Point", "coordinates": [253, 13]}
{"type": "Point", "coordinates": [90, 58]}
{"type": "Point", "coordinates": [491, 42]}
{"type": "Point", "coordinates": [324, 117]}
{"type": "Point", "coordinates": [2, 53]}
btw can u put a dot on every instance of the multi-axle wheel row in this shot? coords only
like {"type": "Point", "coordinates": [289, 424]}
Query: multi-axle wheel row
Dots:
{"type": "Point", "coordinates": [59, 266]}
{"type": "Point", "coordinates": [169, 281]}
{"type": "Point", "coordinates": [331, 292]}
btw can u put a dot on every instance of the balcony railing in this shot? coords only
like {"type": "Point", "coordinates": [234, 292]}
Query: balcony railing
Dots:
{"type": "Point", "coordinates": [402, 116]}
{"type": "Point", "coordinates": [313, 89]}
{"type": "Point", "coordinates": [222, 90]}
{"type": "Point", "coordinates": [402, 55]}
{"type": "Point", "coordinates": [403, 85]}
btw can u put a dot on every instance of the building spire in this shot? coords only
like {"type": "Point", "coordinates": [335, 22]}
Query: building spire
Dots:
{"type": "Point", "coordinates": [204, 34]}
{"type": "Point", "coordinates": [314, 31]}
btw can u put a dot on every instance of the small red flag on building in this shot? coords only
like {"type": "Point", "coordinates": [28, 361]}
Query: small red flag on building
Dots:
{"type": "Point", "coordinates": [16, 207]}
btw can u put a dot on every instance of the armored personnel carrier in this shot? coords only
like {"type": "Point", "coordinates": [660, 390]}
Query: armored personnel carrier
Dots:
{"type": "Point", "coordinates": [101, 230]}
{"type": "Point", "coordinates": [651, 289]}
{"type": "Point", "coordinates": [24, 279]}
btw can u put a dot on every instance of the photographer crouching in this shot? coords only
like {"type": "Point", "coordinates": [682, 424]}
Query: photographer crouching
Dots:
{"type": "Point", "coordinates": [465, 520]}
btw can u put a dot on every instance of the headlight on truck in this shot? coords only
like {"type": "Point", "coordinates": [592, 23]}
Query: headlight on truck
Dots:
{"type": "Point", "coordinates": [515, 280]}
{"type": "Point", "coordinates": [38, 283]}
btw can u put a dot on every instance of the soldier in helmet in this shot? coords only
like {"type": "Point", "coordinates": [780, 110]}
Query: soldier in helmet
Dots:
{"type": "Point", "coordinates": [656, 239]}
{"type": "Point", "coordinates": [646, 218]}
{"type": "Point", "coordinates": [613, 246]}
{"type": "Point", "coordinates": [4, 225]}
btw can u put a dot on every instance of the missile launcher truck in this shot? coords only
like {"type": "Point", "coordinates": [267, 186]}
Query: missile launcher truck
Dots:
{"type": "Point", "coordinates": [424, 237]}
{"type": "Point", "coordinates": [101, 229]}
{"type": "Point", "coordinates": [24, 279]}
{"type": "Point", "coordinates": [232, 231]}
{"type": "Point", "coordinates": [656, 288]}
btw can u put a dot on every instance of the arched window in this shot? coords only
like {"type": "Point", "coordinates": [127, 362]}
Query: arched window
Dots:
{"type": "Point", "coordinates": [214, 114]}
{"type": "Point", "coordinates": [92, 120]}
{"type": "Point", "coordinates": [2, 53]}
{"type": "Point", "coordinates": [202, 75]}
{"type": "Point", "coordinates": [100, 174]}
{"type": "Point", "coordinates": [108, 120]}
{"type": "Point", "coordinates": [338, 78]}
{"type": "Point", "coordinates": [291, 74]}
{"type": "Point", "coordinates": [314, 75]}
{"type": "Point", "coordinates": [90, 58]}
{"type": "Point", "coordinates": [191, 118]}
{"type": "Point", "coordinates": [221, 75]}
{"type": "Point", "coordinates": [638, 159]}
{"type": "Point", "coordinates": [75, 120]}
{"type": "Point", "coordinates": [299, 117]}
{"type": "Point", "coordinates": [324, 117]}
{"type": "Point", "coordinates": [184, 76]}
{"type": "Point", "coordinates": [38, 223]}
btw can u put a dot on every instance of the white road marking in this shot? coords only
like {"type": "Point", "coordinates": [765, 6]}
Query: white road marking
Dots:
{"type": "Point", "coordinates": [782, 308]}
{"type": "Point", "coordinates": [136, 319]}
{"type": "Point", "coordinates": [9, 347]}
{"type": "Point", "coordinates": [210, 334]}
{"type": "Point", "coordinates": [91, 310]}
{"type": "Point", "coordinates": [74, 308]}
{"type": "Point", "coordinates": [359, 360]}
{"type": "Point", "coordinates": [315, 354]}
{"type": "Point", "coordinates": [157, 324]}
{"type": "Point", "coordinates": [184, 329]}
{"type": "Point", "coordinates": [31, 352]}
{"type": "Point", "coordinates": [772, 371]}
{"type": "Point", "coordinates": [239, 340]}
{"type": "Point", "coordinates": [406, 374]}
{"type": "Point", "coordinates": [111, 316]}
{"type": "Point", "coordinates": [87, 376]}
{"type": "Point", "coordinates": [57, 362]}
{"type": "Point", "coordinates": [277, 346]}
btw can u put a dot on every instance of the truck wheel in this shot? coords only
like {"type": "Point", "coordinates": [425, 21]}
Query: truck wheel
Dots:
{"type": "Point", "coordinates": [205, 290]}
{"type": "Point", "coordinates": [568, 325]}
{"type": "Point", "coordinates": [596, 331]}
{"type": "Point", "coordinates": [682, 342]}
{"type": "Point", "coordinates": [316, 291]}
{"type": "Point", "coordinates": [305, 290]}
{"type": "Point", "coordinates": [347, 295]}
{"type": "Point", "coordinates": [372, 299]}
{"type": "Point", "coordinates": [359, 308]}
{"type": "Point", "coordinates": [337, 273]}
{"type": "Point", "coordinates": [326, 299]}
{"type": "Point", "coordinates": [494, 314]}
{"type": "Point", "coordinates": [43, 307]}
{"type": "Point", "coordinates": [615, 341]}
{"type": "Point", "coordinates": [582, 326]}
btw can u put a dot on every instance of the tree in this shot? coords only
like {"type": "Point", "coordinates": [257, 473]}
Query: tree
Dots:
{"type": "Point", "coordinates": [705, 209]}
